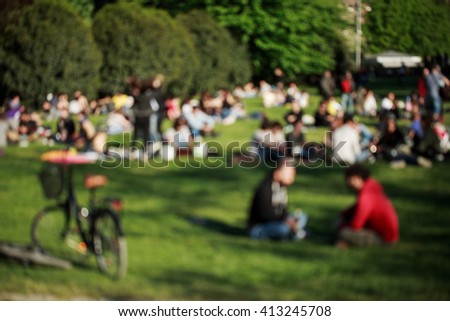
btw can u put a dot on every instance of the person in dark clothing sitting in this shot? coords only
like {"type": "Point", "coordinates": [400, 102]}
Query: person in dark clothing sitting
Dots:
{"type": "Point", "coordinates": [424, 138]}
{"type": "Point", "coordinates": [322, 117]}
{"type": "Point", "coordinates": [393, 148]}
{"type": "Point", "coordinates": [294, 115]}
{"type": "Point", "coordinates": [295, 140]}
{"type": "Point", "coordinates": [65, 128]}
{"type": "Point", "coordinates": [269, 217]}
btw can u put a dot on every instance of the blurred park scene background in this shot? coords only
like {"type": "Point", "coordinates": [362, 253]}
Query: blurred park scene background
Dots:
{"type": "Point", "coordinates": [242, 63]}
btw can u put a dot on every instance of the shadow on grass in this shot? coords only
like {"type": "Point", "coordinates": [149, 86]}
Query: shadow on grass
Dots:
{"type": "Point", "coordinates": [198, 285]}
{"type": "Point", "coordinates": [216, 226]}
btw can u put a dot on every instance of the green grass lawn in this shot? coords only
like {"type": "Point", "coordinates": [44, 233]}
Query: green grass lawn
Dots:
{"type": "Point", "coordinates": [185, 236]}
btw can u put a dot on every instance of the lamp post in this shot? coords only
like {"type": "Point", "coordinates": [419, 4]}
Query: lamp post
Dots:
{"type": "Point", "coordinates": [358, 36]}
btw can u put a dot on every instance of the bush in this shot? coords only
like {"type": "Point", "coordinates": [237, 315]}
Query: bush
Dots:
{"type": "Point", "coordinates": [45, 47]}
{"type": "Point", "coordinates": [178, 55]}
{"type": "Point", "coordinates": [241, 69]}
{"type": "Point", "coordinates": [142, 43]}
{"type": "Point", "coordinates": [223, 62]}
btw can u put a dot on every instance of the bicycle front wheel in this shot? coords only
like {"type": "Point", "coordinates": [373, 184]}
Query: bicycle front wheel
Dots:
{"type": "Point", "coordinates": [51, 233]}
{"type": "Point", "coordinates": [109, 244]}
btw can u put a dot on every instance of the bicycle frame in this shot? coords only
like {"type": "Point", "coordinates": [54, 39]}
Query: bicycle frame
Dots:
{"type": "Point", "coordinates": [73, 210]}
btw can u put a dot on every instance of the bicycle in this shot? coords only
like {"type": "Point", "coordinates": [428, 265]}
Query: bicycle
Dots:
{"type": "Point", "coordinates": [66, 227]}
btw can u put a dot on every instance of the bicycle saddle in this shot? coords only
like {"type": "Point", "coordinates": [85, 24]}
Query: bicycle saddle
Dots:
{"type": "Point", "coordinates": [95, 181]}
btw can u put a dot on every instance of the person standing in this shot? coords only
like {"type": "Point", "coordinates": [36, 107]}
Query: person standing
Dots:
{"type": "Point", "coordinates": [158, 108]}
{"type": "Point", "coordinates": [434, 81]}
{"type": "Point", "coordinates": [279, 77]}
{"type": "Point", "coordinates": [327, 85]}
{"type": "Point", "coordinates": [142, 111]}
{"type": "Point", "coordinates": [421, 83]}
{"type": "Point", "coordinates": [347, 89]}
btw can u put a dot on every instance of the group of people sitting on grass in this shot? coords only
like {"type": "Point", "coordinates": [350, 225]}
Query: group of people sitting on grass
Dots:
{"type": "Point", "coordinates": [142, 108]}
{"type": "Point", "coordinates": [72, 126]}
{"type": "Point", "coordinates": [192, 119]}
{"type": "Point", "coordinates": [372, 220]}
{"type": "Point", "coordinates": [139, 111]}
{"type": "Point", "coordinates": [348, 141]}
{"type": "Point", "coordinates": [408, 131]}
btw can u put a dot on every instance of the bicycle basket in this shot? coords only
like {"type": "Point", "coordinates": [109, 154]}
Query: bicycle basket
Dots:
{"type": "Point", "coordinates": [51, 177]}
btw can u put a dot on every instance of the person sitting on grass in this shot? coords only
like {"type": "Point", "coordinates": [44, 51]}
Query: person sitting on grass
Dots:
{"type": "Point", "coordinates": [295, 141]}
{"type": "Point", "coordinates": [179, 136]}
{"type": "Point", "coordinates": [392, 147]}
{"type": "Point", "coordinates": [269, 217]}
{"type": "Point", "coordinates": [294, 115]}
{"type": "Point", "coordinates": [347, 143]}
{"type": "Point", "coordinates": [322, 117]}
{"type": "Point", "coordinates": [201, 123]}
{"type": "Point", "coordinates": [425, 141]}
{"type": "Point", "coordinates": [372, 220]}
{"type": "Point", "coordinates": [65, 128]}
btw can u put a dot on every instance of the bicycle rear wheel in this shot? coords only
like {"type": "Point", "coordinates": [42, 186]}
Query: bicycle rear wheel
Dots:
{"type": "Point", "coordinates": [51, 234]}
{"type": "Point", "coordinates": [109, 244]}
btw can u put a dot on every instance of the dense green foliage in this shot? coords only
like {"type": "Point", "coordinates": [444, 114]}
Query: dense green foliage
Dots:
{"type": "Point", "coordinates": [142, 43]}
{"type": "Point", "coordinates": [300, 36]}
{"type": "Point", "coordinates": [46, 47]}
{"type": "Point", "coordinates": [223, 62]}
{"type": "Point", "coordinates": [303, 37]}
{"type": "Point", "coordinates": [183, 82]}
{"type": "Point", "coordinates": [84, 8]}
{"type": "Point", "coordinates": [413, 26]}
{"type": "Point", "coordinates": [297, 35]}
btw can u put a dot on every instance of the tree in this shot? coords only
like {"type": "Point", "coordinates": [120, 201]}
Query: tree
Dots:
{"type": "Point", "coordinates": [182, 83]}
{"type": "Point", "coordinates": [414, 26]}
{"type": "Point", "coordinates": [297, 35]}
{"type": "Point", "coordinates": [6, 5]}
{"type": "Point", "coordinates": [223, 62]}
{"type": "Point", "coordinates": [431, 27]}
{"type": "Point", "coordinates": [300, 36]}
{"type": "Point", "coordinates": [45, 47]}
{"type": "Point", "coordinates": [84, 8]}
{"type": "Point", "coordinates": [142, 43]}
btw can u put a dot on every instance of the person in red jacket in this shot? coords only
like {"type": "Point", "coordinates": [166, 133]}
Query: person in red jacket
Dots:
{"type": "Point", "coordinates": [372, 220]}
